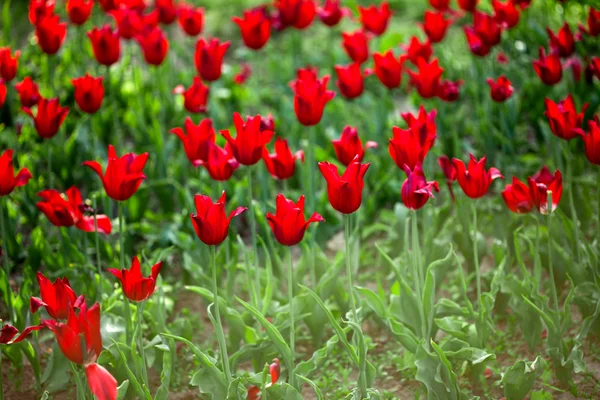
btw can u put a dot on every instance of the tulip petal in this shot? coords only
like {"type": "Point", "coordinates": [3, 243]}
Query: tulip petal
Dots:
{"type": "Point", "coordinates": [102, 384]}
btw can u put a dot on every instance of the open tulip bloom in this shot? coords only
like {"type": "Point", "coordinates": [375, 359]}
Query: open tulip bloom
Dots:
{"type": "Point", "coordinates": [136, 287]}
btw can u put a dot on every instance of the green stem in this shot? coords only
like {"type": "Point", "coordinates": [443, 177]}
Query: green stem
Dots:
{"type": "Point", "coordinates": [550, 266]}
{"type": "Point", "coordinates": [63, 244]}
{"type": "Point", "coordinates": [418, 274]}
{"type": "Point", "coordinates": [4, 207]}
{"type": "Point", "coordinates": [122, 263]}
{"type": "Point", "coordinates": [538, 262]}
{"type": "Point", "coordinates": [292, 316]}
{"type": "Point", "coordinates": [598, 225]}
{"type": "Point", "coordinates": [1, 380]}
{"type": "Point", "coordinates": [253, 234]}
{"type": "Point", "coordinates": [78, 383]}
{"type": "Point", "coordinates": [311, 200]}
{"type": "Point", "coordinates": [98, 265]}
{"type": "Point", "coordinates": [219, 326]}
{"type": "Point", "coordinates": [139, 321]}
{"type": "Point", "coordinates": [349, 267]}
{"type": "Point", "coordinates": [50, 177]}
{"type": "Point", "coordinates": [477, 275]}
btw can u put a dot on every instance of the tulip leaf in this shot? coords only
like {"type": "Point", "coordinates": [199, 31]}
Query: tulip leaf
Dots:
{"type": "Point", "coordinates": [282, 390]}
{"type": "Point", "coordinates": [435, 372]}
{"type": "Point", "coordinates": [321, 355]}
{"type": "Point", "coordinates": [122, 389]}
{"type": "Point", "coordinates": [519, 378]}
{"type": "Point", "coordinates": [312, 385]}
{"type": "Point", "coordinates": [373, 301]}
{"type": "Point", "coordinates": [142, 390]}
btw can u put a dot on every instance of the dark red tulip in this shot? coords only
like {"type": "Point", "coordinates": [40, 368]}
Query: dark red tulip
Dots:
{"type": "Point", "coordinates": [209, 58]}
{"type": "Point", "coordinates": [50, 116]}
{"type": "Point", "coordinates": [427, 79]}
{"type": "Point", "coordinates": [296, 13]}
{"type": "Point", "coordinates": [166, 10]}
{"type": "Point", "coordinates": [593, 22]}
{"type": "Point", "coordinates": [506, 13]}
{"type": "Point", "coordinates": [468, 5]}
{"type": "Point", "coordinates": [221, 163]}
{"type": "Point", "coordinates": [548, 68]}
{"type": "Point", "coordinates": [356, 45]}
{"type": "Point", "coordinates": [350, 80]}
{"type": "Point", "coordinates": [275, 371]}
{"type": "Point", "coordinates": [8, 64]}
{"type": "Point", "coordinates": [105, 45]}
{"type": "Point", "coordinates": [250, 141]}
{"type": "Point", "coordinates": [539, 186]}
{"type": "Point", "coordinates": [79, 11]}
{"type": "Point", "coordinates": [476, 45]}
{"type": "Point", "coordinates": [255, 27]}
{"type": "Point", "coordinates": [487, 29]}
{"type": "Point", "coordinates": [502, 58]}
{"type": "Point", "coordinates": [562, 42]}
{"type": "Point", "coordinates": [517, 197]}
{"type": "Point", "coordinates": [2, 93]}
{"type": "Point", "coordinates": [592, 141]}
{"type": "Point", "coordinates": [474, 179]}
{"type": "Point", "coordinates": [191, 19]}
{"type": "Point", "coordinates": [58, 297]}
{"type": "Point", "coordinates": [282, 164]}
{"type": "Point", "coordinates": [108, 5]}
{"type": "Point", "coordinates": [149, 21]}
{"type": "Point", "coordinates": [241, 77]}
{"type": "Point", "coordinates": [440, 5]}
{"type": "Point", "coordinates": [311, 96]}
{"type": "Point", "coordinates": [135, 286]}
{"type": "Point", "coordinates": [345, 192]}
{"type": "Point", "coordinates": [8, 333]}
{"type": "Point", "coordinates": [195, 98]}
{"type": "Point", "coordinates": [435, 25]}
{"type": "Point", "coordinates": [288, 226]}
{"type": "Point", "coordinates": [89, 93]}
{"type": "Point", "coordinates": [416, 190]}
{"type": "Point", "coordinates": [575, 64]}
{"type": "Point", "coordinates": [267, 123]}
{"type": "Point", "coordinates": [196, 139]}
{"type": "Point", "coordinates": [449, 91]}
{"type": "Point", "coordinates": [210, 221]}
{"type": "Point", "coordinates": [389, 69]}
{"type": "Point", "coordinates": [67, 210]}
{"type": "Point", "coordinates": [500, 90]}
{"type": "Point", "coordinates": [415, 50]}
{"type": "Point", "coordinates": [522, 4]}
{"type": "Point", "coordinates": [40, 9]}
{"type": "Point", "coordinates": [8, 180]}
{"type": "Point", "coordinates": [423, 123]}
{"type": "Point", "coordinates": [449, 172]}
{"type": "Point", "coordinates": [349, 146]}
{"type": "Point", "coordinates": [375, 19]}
{"type": "Point", "coordinates": [331, 13]}
{"type": "Point", "coordinates": [154, 45]}
{"type": "Point", "coordinates": [563, 117]}
{"type": "Point", "coordinates": [123, 175]}
{"type": "Point", "coordinates": [50, 33]}
{"type": "Point", "coordinates": [410, 146]}
{"type": "Point", "coordinates": [129, 22]}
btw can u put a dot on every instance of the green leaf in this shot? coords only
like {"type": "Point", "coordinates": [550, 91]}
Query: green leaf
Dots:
{"type": "Point", "coordinates": [162, 393]}
{"type": "Point", "coordinates": [306, 368]}
{"type": "Point", "coordinates": [312, 385]}
{"type": "Point", "coordinates": [283, 391]}
{"type": "Point", "coordinates": [122, 389]}
{"type": "Point", "coordinates": [142, 390]}
{"type": "Point", "coordinates": [435, 372]}
{"type": "Point", "coordinates": [519, 378]}
{"type": "Point", "coordinates": [454, 326]}
{"type": "Point", "coordinates": [373, 301]}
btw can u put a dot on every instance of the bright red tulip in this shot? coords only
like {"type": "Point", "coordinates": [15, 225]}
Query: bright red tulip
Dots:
{"type": "Point", "coordinates": [241, 77]}
{"type": "Point", "coordinates": [8, 180]}
{"type": "Point", "coordinates": [135, 286]}
{"type": "Point", "coordinates": [415, 50]}
{"type": "Point", "coordinates": [253, 392]}
{"type": "Point", "coordinates": [416, 190]}
{"type": "Point", "coordinates": [154, 45]}
{"type": "Point", "coordinates": [149, 21]}
{"type": "Point", "coordinates": [449, 91]}
{"type": "Point", "coordinates": [356, 45]}
{"type": "Point", "coordinates": [195, 98]}
{"type": "Point", "coordinates": [210, 221]}
{"type": "Point", "coordinates": [474, 179]}
{"type": "Point", "coordinates": [562, 42]}
{"type": "Point", "coordinates": [506, 13]}
{"type": "Point", "coordinates": [563, 117]}
{"type": "Point", "coordinates": [29, 93]}
{"type": "Point", "coordinates": [255, 27]}
{"type": "Point", "coordinates": [449, 172]}
{"type": "Point", "coordinates": [476, 45]}
{"type": "Point", "coordinates": [487, 29]}
{"type": "Point", "coordinates": [123, 175]}
{"type": "Point", "coordinates": [288, 226]}
{"type": "Point", "coordinates": [410, 146]}
{"type": "Point", "coordinates": [374, 19]}
{"type": "Point", "coordinates": [191, 19]}
{"type": "Point", "coordinates": [501, 90]}
{"type": "Point", "coordinates": [296, 13]}
{"type": "Point", "coordinates": [275, 371]}
{"type": "Point", "coordinates": [50, 33]}
{"type": "Point", "coordinates": [79, 11]}
{"type": "Point", "coordinates": [209, 58]}
{"type": "Point", "coordinates": [350, 80]}
{"type": "Point", "coordinates": [105, 45]}
{"type": "Point", "coordinates": [389, 69]}
{"type": "Point", "coordinates": [129, 22]}
{"type": "Point", "coordinates": [540, 184]}
{"type": "Point", "coordinates": [310, 96]}
{"type": "Point", "coordinates": [440, 5]}
{"type": "Point", "coordinates": [548, 68]}
{"type": "Point", "coordinates": [40, 9]}
{"type": "Point", "coordinates": [8, 64]}
{"type": "Point", "coordinates": [221, 163]}
{"type": "Point", "coordinates": [166, 10]}
{"type": "Point", "coordinates": [517, 197]}
{"type": "Point", "coordinates": [592, 141]}
{"type": "Point", "coordinates": [435, 25]}
{"type": "Point", "coordinates": [89, 93]}
{"type": "Point", "coordinates": [282, 164]}
{"type": "Point", "coordinates": [49, 118]}
{"type": "Point", "coordinates": [345, 192]}
{"type": "Point", "coordinates": [196, 139]}
{"type": "Point", "coordinates": [58, 298]}
{"type": "Point", "coordinates": [593, 22]}
{"type": "Point", "coordinates": [423, 123]}
{"type": "Point", "coordinates": [468, 5]}
{"type": "Point", "coordinates": [349, 146]}
{"type": "Point", "coordinates": [2, 93]}
{"type": "Point", "coordinates": [248, 146]}
{"type": "Point", "coordinates": [427, 79]}
{"type": "Point", "coordinates": [331, 13]}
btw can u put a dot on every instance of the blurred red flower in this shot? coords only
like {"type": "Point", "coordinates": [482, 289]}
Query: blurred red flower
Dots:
{"type": "Point", "coordinates": [350, 80]}
{"type": "Point", "coordinates": [58, 298]}
{"type": "Point", "coordinates": [166, 10]}
{"type": "Point", "coordinates": [79, 11]}
{"type": "Point", "coordinates": [241, 77]}
{"type": "Point", "coordinates": [592, 141]}
{"type": "Point", "coordinates": [349, 146]}
{"type": "Point", "coordinates": [250, 141]}
{"type": "Point", "coordinates": [296, 13]}
{"type": "Point", "coordinates": [310, 96]}
{"type": "Point", "coordinates": [39, 9]}
{"type": "Point", "coordinates": [50, 33]}
{"type": "Point", "coordinates": [50, 116]}
{"type": "Point", "coordinates": [440, 5]}
{"type": "Point", "coordinates": [435, 25]}
{"type": "Point", "coordinates": [487, 29]}
{"type": "Point", "coordinates": [255, 27]}
{"type": "Point", "coordinates": [540, 184]}
{"type": "Point", "coordinates": [8, 180]}
{"type": "Point", "coordinates": [449, 172]}
{"type": "Point", "coordinates": [468, 5]}
{"type": "Point", "coordinates": [2, 93]}
{"type": "Point", "coordinates": [476, 45]}
{"type": "Point", "coordinates": [506, 13]}
{"type": "Point", "coordinates": [331, 13]}
{"type": "Point", "coordinates": [345, 192]}
{"type": "Point", "coordinates": [375, 19]}
{"type": "Point", "coordinates": [517, 197]}
{"type": "Point", "coordinates": [548, 68]}
{"type": "Point", "coordinates": [105, 45]}
{"type": "Point", "coordinates": [563, 118]}
{"type": "Point", "coordinates": [195, 98]}
{"type": "Point", "coordinates": [210, 221]}
{"type": "Point", "coordinates": [449, 91]}
{"type": "Point", "coordinates": [474, 179]}
{"type": "Point", "coordinates": [274, 371]}
{"type": "Point", "coordinates": [8, 64]}
{"type": "Point", "coordinates": [500, 90]}
{"type": "Point", "coordinates": [191, 19]}
{"type": "Point", "coordinates": [389, 69]}
{"type": "Point", "coordinates": [135, 286]}
{"type": "Point", "coordinates": [154, 45]}
{"type": "Point", "coordinates": [196, 139]}
{"type": "Point", "coordinates": [282, 164]}
{"type": "Point", "coordinates": [427, 78]}
{"type": "Point", "coordinates": [288, 226]}
{"type": "Point", "coordinates": [562, 42]}
{"type": "Point", "coordinates": [356, 45]}
{"type": "Point", "coordinates": [423, 123]}
{"type": "Point", "coordinates": [89, 93]}
{"type": "Point", "coordinates": [108, 5]}
{"type": "Point", "coordinates": [416, 190]}
{"type": "Point", "coordinates": [593, 22]}
{"type": "Point", "coordinates": [415, 50]}
{"type": "Point", "coordinates": [253, 392]}
{"type": "Point", "coordinates": [129, 22]}
{"type": "Point", "coordinates": [221, 163]}
{"type": "Point", "coordinates": [209, 58]}
{"type": "Point", "coordinates": [410, 146]}
{"type": "Point", "coordinates": [8, 333]}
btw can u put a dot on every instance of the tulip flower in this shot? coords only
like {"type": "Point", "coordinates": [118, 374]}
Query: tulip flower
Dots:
{"type": "Point", "coordinates": [8, 180]}
{"type": "Point", "coordinates": [105, 45]}
{"type": "Point", "coordinates": [416, 190]}
{"type": "Point", "coordinates": [68, 210]}
{"type": "Point", "coordinates": [410, 146]}
{"type": "Point", "coordinates": [8, 333]}
{"type": "Point", "coordinates": [423, 123]}
{"type": "Point", "coordinates": [29, 93]}
{"type": "Point", "coordinates": [8, 64]}
{"type": "Point", "coordinates": [221, 163]}
{"type": "Point", "coordinates": [427, 79]}
{"type": "Point", "coordinates": [2, 93]}
{"type": "Point", "coordinates": [517, 197]}
{"type": "Point", "coordinates": [50, 116]}
{"type": "Point", "coordinates": [415, 50]}
{"type": "Point", "coordinates": [123, 175]}
{"type": "Point", "coordinates": [89, 93]}
{"type": "Point", "coordinates": [375, 19]}
{"type": "Point", "coordinates": [548, 68]}
{"type": "Point", "coordinates": [191, 19]}
{"type": "Point", "coordinates": [449, 91]}
{"type": "Point", "coordinates": [135, 286]}
{"type": "Point", "coordinates": [440, 5]}
{"type": "Point", "coordinates": [108, 5]}
{"type": "Point", "coordinates": [563, 117]}
{"type": "Point", "coordinates": [331, 13]}
{"type": "Point", "coordinates": [296, 13]}
{"type": "Point", "coordinates": [274, 371]}
{"type": "Point", "coordinates": [255, 27]}
{"type": "Point", "coordinates": [310, 96]}
{"type": "Point", "coordinates": [350, 80]}
{"type": "Point", "coordinates": [58, 298]}
{"type": "Point", "coordinates": [435, 25]}
{"type": "Point", "coordinates": [241, 77]}
{"type": "Point", "coordinates": [210, 221]}
{"type": "Point", "coordinates": [79, 11]}
{"type": "Point", "coordinates": [209, 58]}
{"type": "Point", "coordinates": [468, 5]}
{"type": "Point", "coordinates": [248, 146]}
{"type": "Point", "coordinates": [267, 123]}
{"type": "Point", "coordinates": [129, 22]}
{"type": "Point", "coordinates": [288, 223]}
{"type": "Point", "coordinates": [196, 139]}
{"type": "Point", "coordinates": [563, 42]}
{"type": "Point", "coordinates": [167, 11]}
{"type": "Point", "coordinates": [50, 34]}
{"type": "Point", "coordinates": [356, 45]}
{"type": "Point", "coordinates": [282, 164]}
{"type": "Point", "coordinates": [506, 13]}
{"type": "Point", "coordinates": [476, 45]}
{"type": "Point", "coordinates": [501, 90]}
{"type": "Point", "coordinates": [389, 69]}
{"type": "Point", "coordinates": [195, 98]}
{"type": "Point", "coordinates": [154, 46]}
{"type": "Point", "coordinates": [593, 22]}
{"type": "Point", "coordinates": [253, 392]}
{"type": "Point", "coordinates": [349, 146]}
{"type": "Point", "coordinates": [474, 179]}
{"type": "Point", "coordinates": [487, 29]}
{"type": "Point", "coordinates": [345, 192]}
{"type": "Point", "coordinates": [540, 184]}
{"type": "Point", "coordinates": [40, 9]}
{"type": "Point", "coordinates": [592, 141]}
{"type": "Point", "coordinates": [449, 172]}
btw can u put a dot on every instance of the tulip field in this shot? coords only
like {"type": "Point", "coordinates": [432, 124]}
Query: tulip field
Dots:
{"type": "Point", "coordinates": [299, 199]}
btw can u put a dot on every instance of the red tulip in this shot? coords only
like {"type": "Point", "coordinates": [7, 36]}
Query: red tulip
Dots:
{"type": "Point", "coordinates": [221, 163]}
{"type": "Point", "coordinates": [506, 13]}
{"type": "Point", "coordinates": [255, 27]}
{"type": "Point", "coordinates": [196, 139]}
{"type": "Point", "coordinates": [592, 141]}
{"type": "Point", "coordinates": [389, 69]}
{"type": "Point", "coordinates": [241, 77]}
{"type": "Point", "coordinates": [562, 43]}
{"type": "Point", "coordinates": [68, 210]}
{"type": "Point", "coordinates": [195, 98]}
{"type": "Point", "coordinates": [209, 58]}
{"type": "Point", "coordinates": [105, 45]}
{"type": "Point", "coordinates": [129, 22]}
{"type": "Point", "coordinates": [8, 64]}
{"type": "Point", "coordinates": [167, 11]}
{"type": "Point", "coordinates": [487, 29]}
{"type": "Point", "coordinates": [575, 64]}
{"type": "Point", "coordinates": [282, 164]}
{"type": "Point", "coordinates": [416, 50]}
{"type": "Point", "coordinates": [350, 80]}
{"type": "Point", "coordinates": [154, 46]}
{"type": "Point", "coordinates": [191, 19]}
{"type": "Point", "coordinates": [123, 175]}
{"type": "Point", "coordinates": [108, 5]}
{"type": "Point", "coordinates": [274, 371]}
{"type": "Point", "coordinates": [416, 190]}
{"type": "Point", "coordinates": [427, 79]}
{"type": "Point", "coordinates": [296, 13]}
{"type": "Point", "coordinates": [58, 298]}
{"type": "Point", "coordinates": [594, 68]}
{"type": "Point", "coordinates": [267, 123]}
{"type": "Point", "coordinates": [8, 180]}
{"type": "Point", "coordinates": [149, 21]}
{"type": "Point", "coordinates": [210, 221]}
{"type": "Point", "coordinates": [288, 226]}
{"type": "Point", "coordinates": [50, 33]}
{"type": "Point", "coordinates": [332, 13]}
{"type": "Point", "coordinates": [2, 93]}
{"type": "Point", "coordinates": [29, 93]}
{"type": "Point", "coordinates": [441, 5]}
{"type": "Point", "coordinates": [310, 96]}
{"type": "Point", "coordinates": [253, 392]}
{"type": "Point", "coordinates": [468, 5]}
{"type": "Point", "coordinates": [135, 286]}
{"type": "Point", "coordinates": [356, 45]}
{"type": "Point", "coordinates": [345, 192]}
{"type": "Point", "coordinates": [435, 25]}
{"type": "Point", "coordinates": [374, 19]}
{"type": "Point", "coordinates": [502, 58]}
{"type": "Point", "coordinates": [522, 4]}
{"type": "Point", "coordinates": [410, 146]}
{"type": "Point", "coordinates": [423, 123]}
{"type": "Point", "coordinates": [49, 118]}
{"type": "Point", "coordinates": [540, 184]}
{"type": "Point", "coordinates": [474, 179]}
{"type": "Point", "coordinates": [517, 197]}
{"type": "Point", "coordinates": [349, 146]}
{"type": "Point", "coordinates": [593, 22]}
{"type": "Point", "coordinates": [89, 93]}
{"type": "Point", "coordinates": [449, 91]}
{"type": "Point", "coordinates": [79, 11]}
{"type": "Point", "coordinates": [101, 382]}
{"type": "Point", "coordinates": [563, 117]}
{"type": "Point", "coordinates": [248, 146]}
{"type": "Point", "coordinates": [449, 172]}
{"type": "Point", "coordinates": [548, 68]}
{"type": "Point", "coordinates": [500, 90]}
{"type": "Point", "coordinates": [40, 9]}
{"type": "Point", "coordinates": [476, 45]}
{"type": "Point", "coordinates": [8, 333]}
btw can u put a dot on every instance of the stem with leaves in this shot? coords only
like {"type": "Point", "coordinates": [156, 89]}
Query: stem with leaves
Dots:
{"type": "Point", "coordinates": [418, 275]}
{"type": "Point", "coordinates": [122, 263]}
{"type": "Point", "coordinates": [6, 261]}
{"type": "Point", "coordinates": [218, 324]}
{"type": "Point", "coordinates": [290, 290]}
{"type": "Point", "coordinates": [480, 322]}
{"type": "Point", "coordinates": [140, 337]}
{"type": "Point", "coordinates": [98, 265]}
{"type": "Point", "coordinates": [349, 267]}
{"type": "Point", "coordinates": [311, 199]}
{"type": "Point", "coordinates": [550, 266]}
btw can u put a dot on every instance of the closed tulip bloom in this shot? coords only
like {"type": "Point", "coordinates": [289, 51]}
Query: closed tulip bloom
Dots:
{"type": "Point", "coordinates": [255, 27]}
{"type": "Point", "coordinates": [296, 13]}
{"type": "Point", "coordinates": [345, 192]}
{"type": "Point", "coordinates": [79, 11]}
{"type": "Point", "coordinates": [221, 163]}
{"type": "Point", "coordinates": [8, 64]}
{"type": "Point", "coordinates": [506, 13]}
{"type": "Point", "coordinates": [349, 146]}
{"type": "Point", "coordinates": [288, 226]}
{"type": "Point", "coordinates": [108, 5]}
{"type": "Point", "coordinates": [476, 45]}
{"type": "Point", "coordinates": [350, 80]}
{"type": "Point", "coordinates": [129, 22]}
{"type": "Point", "coordinates": [548, 68]}
{"type": "Point", "coordinates": [501, 90]}
{"type": "Point", "coordinates": [50, 33]}
{"type": "Point", "coordinates": [449, 91]}
{"type": "Point", "coordinates": [282, 164]}
{"type": "Point", "coordinates": [310, 96]}
{"type": "Point", "coordinates": [209, 58]}
{"type": "Point", "coordinates": [435, 25]}
{"type": "Point", "coordinates": [389, 69]}
{"type": "Point", "coordinates": [89, 93]}
{"type": "Point", "coordinates": [517, 197]}
{"type": "Point", "coordinates": [468, 5]}
{"type": "Point", "coordinates": [427, 78]}
{"type": "Point", "coordinates": [154, 46]}
{"type": "Point", "coordinates": [562, 42]}
{"type": "Point", "coordinates": [58, 297]}
{"type": "Point", "coordinates": [474, 179]}
{"type": "Point", "coordinates": [540, 184]}
{"type": "Point", "coordinates": [375, 19]}
{"type": "Point", "coordinates": [50, 116]}
{"type": "Point", "coordinates": [191, 19]}
{"type": "Point", "coordinates": [593, 22]}
{"type": "Point", "coordinates": [105, 45]}
{"type": "Point", "coordinates": [593, 69]}
{"type": "Point", "coordinates": [416, 190]}
{"type": "Point", "coordinates": [250, 141]}
{"type": "Point", "coordinates": [196, 139]}
{"type": "Point", "coordinates": [40, 9]}
{"type": "Point", "coordinates": [332, 13]}
{"type": "Point", "coordinates": [29, 93]}
{"type": "Point", "coordinates": [167, 11]}
{"type": "Point", "coordinates": [210, 221]}
{"type": "Point", "coordinates": [487, 29]}
{"type": "Point", "coordinates": [123, 175]}
{"type": "Point", "coordinates": [8, 180]}
{"type": "Point", "coordinates": [356, 45]}
{"type": "Point", "coordinates": [195, 98]}
{"type": "Point", "coordinates": [136, 287]}
{"type": "Point", "coordinates": [415, 50]}
{"type": "Point", "coordinates": [275, 371]}
{"type": "Point", "coordinates": [592, 141]}
{"type": "Point", "coordinates": [563, 117]}
{"type": "Point", "coordinates": [410, 146]}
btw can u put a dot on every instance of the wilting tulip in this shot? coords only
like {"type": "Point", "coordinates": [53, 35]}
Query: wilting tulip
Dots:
{"type": "Point", "coordinates": [49, 118]}
{"type": "Point", "coordinates": [449, 91]}
{"type": "Point", "coordinates": [310, 96]}
{"type": "Point", "coordinates": [389, 69]}
{"type": "Point", "coordinates": [468, 5]}
{"type": "Point", "coordinates": [548, 68]}
{"type": "Point", "coordinates": [563, 117]}
{"type": "Point", "coordinates": [592, 141]}
{"type": "Point", "coordinates": [210, 221]}
{"type": "Point", "coordinates": [410, 146]}
{"type": "Point", "coordinates": [123, 175]}
{"type": "Point", "coordinates": [476, 45]}
{"type": "Point", "coordinates": [506, 13]}
{"type": "Point", "coordinates": [288, 226]}
{"type": "Point", "coordinates": [275, 371]}
{"type": "Point", "coordinates": [517, 197]}
{"type": "Point", "coordinates": [593, 22]}
{"type": "Point", "coordinates": [8, 180]}
{"type": "Point", "coordinates": [255, 27]}
{"type": "Point", "coordinates": [350, 80]}
{"type": "Point", "coordinates": [474, 179]}
{"type": "Point", "coordinates": [449, 172]}
{"type": "Point", "coordinates": [8, 64]}
{"type": "Point", "coordinates": [129, 22]}
{"type": "Point", "coordinates": [500, 90]}
{"type": "Point", "coordinates": [154, 46]}
{"type": "Point", "coordinates": [209, 58]}
{"type": "Point", "coordinates": [40, 9]}
{"type": "Point", "coordinates": [195, 98]}
{"type": "Point", "coordinates": [296, 13]}
{"type": "Point", "coordinates": [8, 333]}
{"type": "Point", "coordinates": [487, 29]}
{"type": "Point", "coordinates": [427, 79]}
{"type": "Point", "coordinates": [191, 19]}
{"type": "Point", "coordinates": [79, 11]}
{"type": "Point", "coordinates": [221, 163]}
{"type": "Point", "coordinates": [435, 25]}
{"type": "Point", "coordinates": [105, 45]}
{"type": "Point", "coordinates": [241, 77]}
{"type": "Point", "coordinates": [356, 45]}
{"type": "Point", "coordinates": [415, 50]}
{"type": "Point", "coordinates": [250, 141]}
{"type": "Point", "coordinates": [29, 93]}
{"type": "Point", "coordinates": [332, 13]}
{"type": "Point", "coordinates": [58, 298]}
{"type": "Point", "coordinates": [50, 33]}
{"type": "Point", "coordinates": [167, 11]}
{"type": "Point", "coordinates": [349, 146]}
{"type": "Point", "coordinates": [135, 286]}
{"type": "Point", "coordinates": [282, 164]}
{"type": "Point", "coordinates": [540, 184]}
{"type": "Point", "coordinates": [89, 93]}
{"type": "Point", "coordinates": [416, 190]}
{"type": "Point", "coordinates": [196, 139]}
{"type": "Point", "coordinates": [374, 19]}
{"type": "Point", "coordinates": [345, 192]}
{"type": "Point", "coordinates": [562, 43]}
